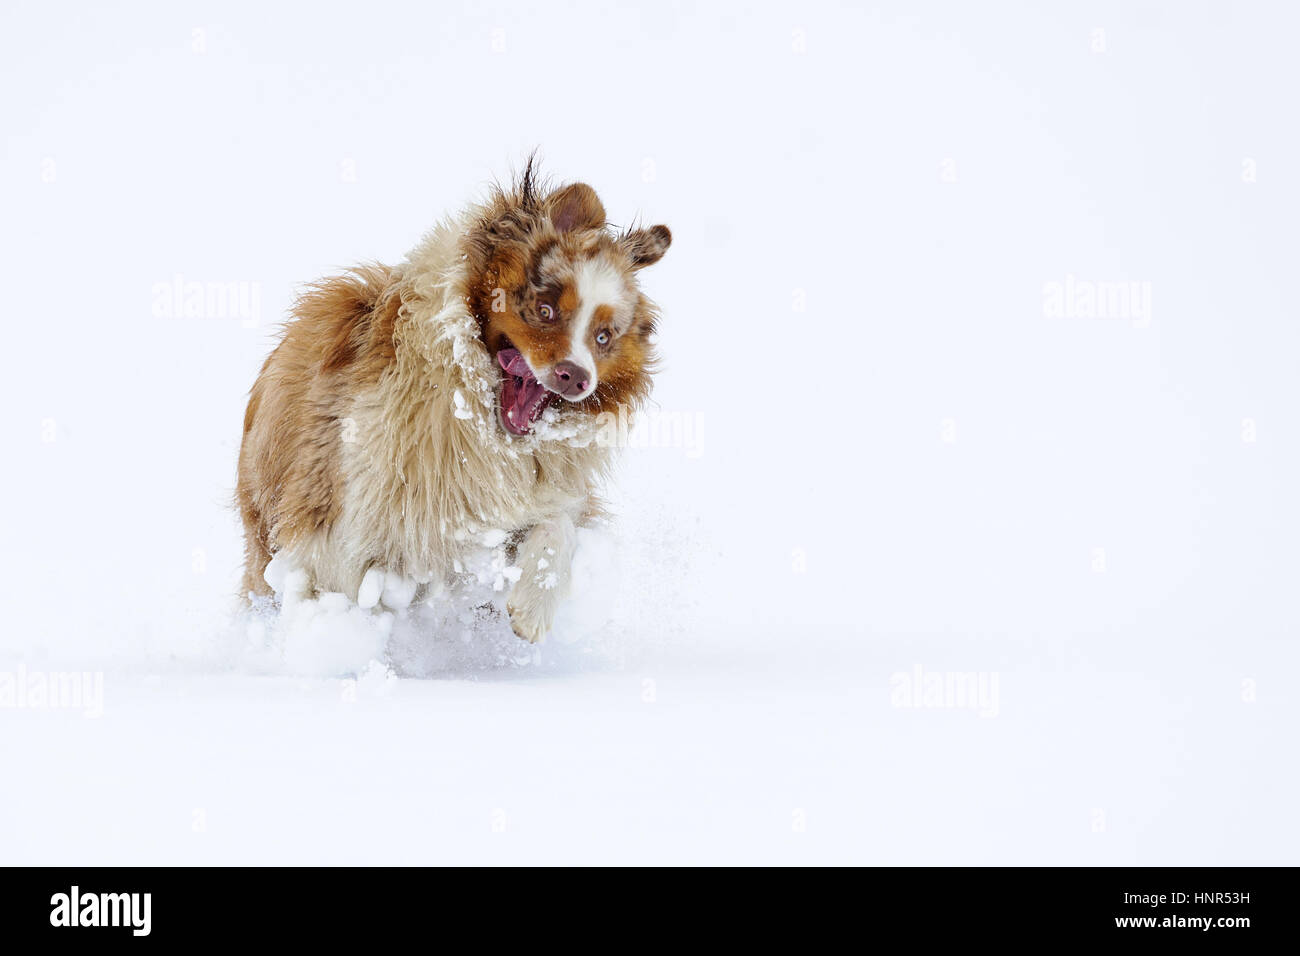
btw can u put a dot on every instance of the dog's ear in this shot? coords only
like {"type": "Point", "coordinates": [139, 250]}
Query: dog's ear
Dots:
{"type": "Point", "coordinates": [575, 207]}
{"type": "Point", "coordinates": [646, 246]}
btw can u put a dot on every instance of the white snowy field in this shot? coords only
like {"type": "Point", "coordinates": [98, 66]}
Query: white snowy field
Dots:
{"type": "Point", "coordinates": [965, 533]}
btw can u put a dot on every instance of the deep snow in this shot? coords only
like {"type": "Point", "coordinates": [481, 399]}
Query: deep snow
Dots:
{"type": "Point", "coordinates": [941, 550]}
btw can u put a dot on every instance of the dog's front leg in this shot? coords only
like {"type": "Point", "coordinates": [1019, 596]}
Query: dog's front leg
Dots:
{"type": "Point", "coordinates": [543, 558]}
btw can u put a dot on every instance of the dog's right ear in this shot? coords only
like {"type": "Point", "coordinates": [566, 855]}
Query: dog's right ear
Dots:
{"type": "Point", "coordinates": [645, 247]}
{"type": "Point", "coordinates": [574, 207]}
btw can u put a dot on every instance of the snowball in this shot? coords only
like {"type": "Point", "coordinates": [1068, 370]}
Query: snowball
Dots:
{"type": "Point", "coordinates": [372, 586]}
{"type": "Point", "coordinates": [276, 570]}
{"type": "Point", "coordinates": [398, 591]}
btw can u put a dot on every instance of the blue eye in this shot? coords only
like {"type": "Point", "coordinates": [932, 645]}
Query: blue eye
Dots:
{"type": "Point", "coordinates": [602, 338]}
{"type": "Point", "coordinates": [546, 312]}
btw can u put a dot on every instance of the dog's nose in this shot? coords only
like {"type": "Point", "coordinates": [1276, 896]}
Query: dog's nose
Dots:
{"type": "Point", "coordinates": [570, 379]}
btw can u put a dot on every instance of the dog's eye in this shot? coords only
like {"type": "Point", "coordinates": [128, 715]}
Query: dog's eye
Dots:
{"type": "Point", "coordinates": [546, 312]}
{"type": "Point", "coordinates": [602, 337]}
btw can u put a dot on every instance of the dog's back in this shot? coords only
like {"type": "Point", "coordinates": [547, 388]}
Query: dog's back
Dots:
{"type": "Point", "coordinates": [338, 342]}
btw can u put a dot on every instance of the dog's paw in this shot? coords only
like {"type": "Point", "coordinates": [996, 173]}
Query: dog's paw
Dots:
{"type": "Point", "coordinates": [529, 624]}
{"type": "Point", "coordinates": [542, 583]}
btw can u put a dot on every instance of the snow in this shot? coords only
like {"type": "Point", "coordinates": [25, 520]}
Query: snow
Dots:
{"type": "Point", "coordinates": [372, 588]}
{"type": "Point", "coordinates": [461, 410]}
{"type": "Point", "coordinates": [594, 580]}
{"type": "Point", "coordinates": [326, 637]}
{"type": "Point", "coordinates": [399, 591]}
{"type": "Point", "coordinates": [945, 564]}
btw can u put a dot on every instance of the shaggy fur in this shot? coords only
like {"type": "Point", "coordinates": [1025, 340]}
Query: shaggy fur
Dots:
{"type": "Point", "coordinates": [373, 436]}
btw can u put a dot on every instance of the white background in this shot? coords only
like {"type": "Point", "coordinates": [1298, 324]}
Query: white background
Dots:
{"type": "Point", "coordinates": [904, 460]}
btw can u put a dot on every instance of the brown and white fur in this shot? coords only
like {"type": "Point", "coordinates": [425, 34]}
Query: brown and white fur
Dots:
{"type": "Point", "coordinates": [374, 438]}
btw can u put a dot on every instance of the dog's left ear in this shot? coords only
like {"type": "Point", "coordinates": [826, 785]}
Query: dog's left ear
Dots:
{"type": "Point", "coordinates": [645, 247]}
{"type": "Point", "coordinates": [575, 207]}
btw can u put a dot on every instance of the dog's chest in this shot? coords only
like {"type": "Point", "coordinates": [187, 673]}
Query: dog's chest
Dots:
{"type": "Point", "coordinates": [423, 502]}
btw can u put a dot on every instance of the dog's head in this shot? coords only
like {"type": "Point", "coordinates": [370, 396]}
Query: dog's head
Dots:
{"type": "Point", "coordinates": [556, 296]}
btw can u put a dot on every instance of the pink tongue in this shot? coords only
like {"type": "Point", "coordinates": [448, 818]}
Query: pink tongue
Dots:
{"type": "Point", "coordinates": [527, 392]}
{"type": "Point", "coordinates": [513, 362]}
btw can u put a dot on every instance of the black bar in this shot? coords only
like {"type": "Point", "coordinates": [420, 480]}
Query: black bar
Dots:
{"type": "Point", "coordinates": [930, 906]}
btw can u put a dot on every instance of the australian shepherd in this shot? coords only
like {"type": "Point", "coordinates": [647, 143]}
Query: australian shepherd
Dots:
{"type": "Point", "coordinates": [412, 413]}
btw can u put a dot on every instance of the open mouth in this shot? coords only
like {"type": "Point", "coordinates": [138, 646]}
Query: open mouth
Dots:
{"type": "Point", "coordinates": [523, 398]}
